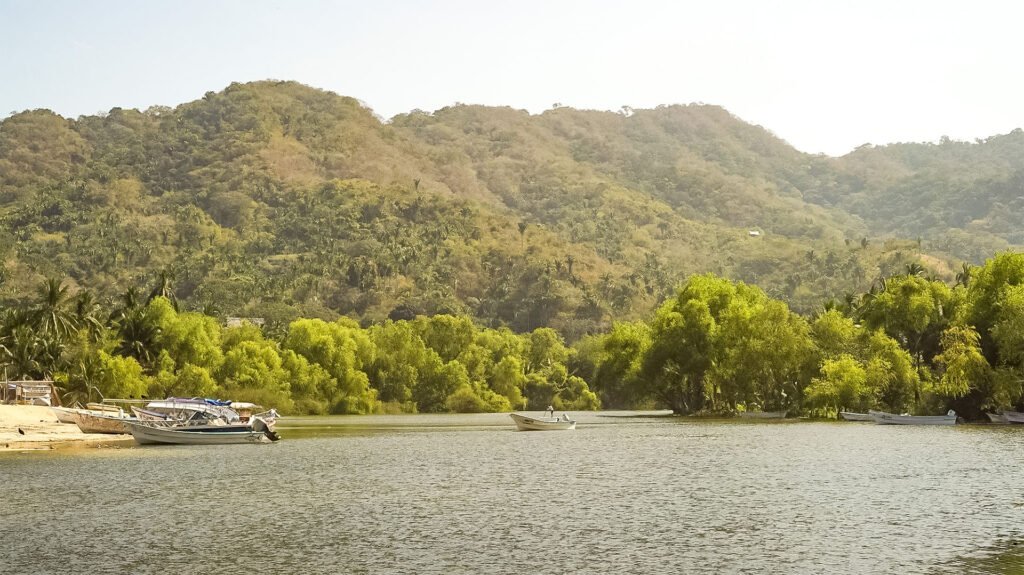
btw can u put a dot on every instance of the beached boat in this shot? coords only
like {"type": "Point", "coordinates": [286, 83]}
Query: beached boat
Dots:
{"type": "Point", "coordinates": [1013, 417]}
{"type": "Point", "coordinates": [852, 416]}
{"type": "Point", "coordinates": [152, 432]}
{"type": "Point", "coordinates": [199, 411]}
{"type": "Point", "coordinates": [997, 417]}
{"type": "Point", "coordinates": [188, 408]}
{"type": "Point", "coordinates": [527, 423]}
{"type": "Point", "coordinates": [65, 414]}
{"type": "Point", "coordinates": [893, 419]}
{"type": "Point", "coordinates": [101, 423]}
{"type": "Point", "coordinates": [763, 414]}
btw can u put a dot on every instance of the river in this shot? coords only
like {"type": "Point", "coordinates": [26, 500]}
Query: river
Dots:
{"type": "Point", "coordinates": [464, 494]}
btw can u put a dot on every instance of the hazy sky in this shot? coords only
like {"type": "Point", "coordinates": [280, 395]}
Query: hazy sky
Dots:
{"type": "Point", "coordinates": [826, 76]}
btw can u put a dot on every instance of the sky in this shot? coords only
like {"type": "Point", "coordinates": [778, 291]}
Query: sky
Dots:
{"type": "Point", "coordinates": [827, 76]}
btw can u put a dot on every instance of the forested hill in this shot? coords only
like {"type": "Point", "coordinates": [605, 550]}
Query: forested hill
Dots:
{"type": "Point", "coordinates": [277, 200]}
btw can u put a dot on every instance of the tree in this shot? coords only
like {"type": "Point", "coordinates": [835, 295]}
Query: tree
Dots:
{"type": "Point", "coordinates": [343, 350]}
{"type": "Point", "coordinates": [915, 311]}
{"type": "Point", "coordinates": [617, 377]}
{"type": "Point", "coordinates": [842, 385]}
{"type": "Point", "coordinates": [52, 313]}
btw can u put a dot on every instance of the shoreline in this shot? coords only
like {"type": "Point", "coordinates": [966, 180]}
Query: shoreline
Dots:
{"type": "Point", "coordinates": [40, 431]}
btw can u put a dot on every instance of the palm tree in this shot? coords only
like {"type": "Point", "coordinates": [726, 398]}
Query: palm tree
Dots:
{"type": "Point", "coordinates": [963, 277]}
{"type": "Point", "coordinates": [22, 352]}
{"type": "Point", "coordinates": [82, 381]}
{"type": "Point", "coordinates": [138, 337]}
{"type": "Point", "coordinates": [87, 314]}
{"type": "Point", "coordinates": [163, 289]}
{"type": "Point", "coordinates": [915, 269]}
{"type": "Point", "coordinates": [51, 314]}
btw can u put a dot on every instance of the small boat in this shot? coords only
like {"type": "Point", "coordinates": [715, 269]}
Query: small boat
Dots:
{"type": "Point", "coordinates": [187, 408]}
{"type": "Point", "coordinates": [852, 416]}
{"type": "Point", "coordinates": [883, 418]}
{"type": "Point", "coordinates": [154, 432]}
{"type": "Point", "coordinates": [65, 414]}
{"type": "Point", "coordinates": [997, 417]}
{"type": "Point", "coordinates": [763, 414]}
{"type": "Point", "coordinates": [1013, 416]}
{"type": "Point", "coordinates": [527, 423]}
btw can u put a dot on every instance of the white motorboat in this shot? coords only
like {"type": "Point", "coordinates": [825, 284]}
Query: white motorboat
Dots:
{"type": "Point", "coordinates": [182, 408]}
{"type": "Point", "coordinates": [155, 432]}
{"type": "Point", "coordinates": [1013, 416]}
{"type": "Point", "coordinates": [997, 417]}
{"type": "Point", "coordinates": [527, 423]}
{"type": "Point", "coordinates": [763, 414]}
{"type": "Point", "coordinates": [198, 411]}
{"type": "Point", "coordinates": [852, 416]}
{"type": "Point", "coordinates": [883, 418]}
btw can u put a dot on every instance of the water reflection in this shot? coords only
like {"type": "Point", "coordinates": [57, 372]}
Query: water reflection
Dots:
{"type": "Point", "coordinates": [466, 494]}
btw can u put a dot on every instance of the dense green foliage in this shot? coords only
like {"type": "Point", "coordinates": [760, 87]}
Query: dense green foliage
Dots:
{"type": "Point", "coordinates": [276, 200]}
{"type": "Point", "coordinates": [150, 349]}
{"type": "Point", "coordinates": [441, 261]}
{"type": "Point", "coordinates": [912, 344]}
{"type": "Point", "coordinates": [716, 347]}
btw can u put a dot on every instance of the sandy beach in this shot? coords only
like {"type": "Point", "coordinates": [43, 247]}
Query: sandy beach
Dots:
{"type": "Point", "coordinates": [41, 430]}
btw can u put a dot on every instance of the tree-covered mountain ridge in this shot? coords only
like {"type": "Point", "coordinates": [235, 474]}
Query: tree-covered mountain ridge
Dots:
{"type": "Point", "coordinates": [278, 200]}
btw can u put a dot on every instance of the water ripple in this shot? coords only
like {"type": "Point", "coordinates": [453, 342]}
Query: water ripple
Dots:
{"type": "Point", "coordinates": [629, 496]}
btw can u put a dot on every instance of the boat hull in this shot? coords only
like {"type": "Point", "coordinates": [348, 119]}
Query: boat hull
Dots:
{"type": "Point", "coordinates": [997, 418]}
{"type": "Point", "coordinates": [65, 414]}
{"type": "Point", "coordinates": [851, 416]}
{"type": "Point", "coordinates": [526, 423]}
{"type": "Point", "coordinates": [147, 434]}
{"type": "Point", "coordinates": [893, 419]}
{"type": "Point", "coordinates": [763, 414]}
{"type": "Point", "coordinates": [1014, 417]}
{"type": "Point", "coordinates": [90, 423]}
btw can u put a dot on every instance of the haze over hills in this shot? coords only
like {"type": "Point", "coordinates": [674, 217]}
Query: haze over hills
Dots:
{"type": "Point", "coordinates": [275, 199]}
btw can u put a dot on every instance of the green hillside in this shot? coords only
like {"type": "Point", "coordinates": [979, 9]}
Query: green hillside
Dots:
{"type": "Point", "coordinates": [276, 200]}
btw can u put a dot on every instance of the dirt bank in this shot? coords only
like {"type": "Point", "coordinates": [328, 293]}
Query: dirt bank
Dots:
{"type": "Point", "coordinates": [24, 427]}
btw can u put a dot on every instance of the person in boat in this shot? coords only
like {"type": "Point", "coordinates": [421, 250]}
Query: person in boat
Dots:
{"type": "Point", "coordinates": [551, 412]}
{"type": "Point", "coordinates": [565, 417]}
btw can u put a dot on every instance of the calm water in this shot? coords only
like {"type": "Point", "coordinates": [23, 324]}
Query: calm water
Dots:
{"type": "Point", "coordinates": [465, 494]}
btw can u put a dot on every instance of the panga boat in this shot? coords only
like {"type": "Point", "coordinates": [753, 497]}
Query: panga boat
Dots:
{"type": "Point", "coordinates": [997, 417]}
{"type": "Point", "coordinates": [527, 423]}
{"type": "Point", "coordinates": [893, 419]}
{"type": "Point", "coordinates": [763, 414]}
{"type": "Point", "coordinates": [1013, 416]}
{"type": "Point", "coordinates": [154, 432]}
{"type": "Point", "coordinates": [852, 416]}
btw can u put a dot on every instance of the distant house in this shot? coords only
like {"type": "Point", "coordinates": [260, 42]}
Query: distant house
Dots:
{"type": "Point", "coordinates": [238, 321]}
{"type": "Point", "coordinates": [754, 233]}
{"type": "Point", "coordinates": [29, 393]}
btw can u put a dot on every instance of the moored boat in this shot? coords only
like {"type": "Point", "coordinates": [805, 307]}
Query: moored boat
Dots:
{"type": "Point", "coordinates": [527, 423]}
{"type": "Point", "coordinates": [852, 416]}
{"type": "Point", "coordinates": [153, 432]}
{"type": "Point", "coordinates": [65, 414]}
{"type": "Point", "coordinates": [893, 419]}
{"type": "Point", "coordinates": [763, 414]}
{"type": "Point", "coordinates": [183, 408]}
{"type": "Point", "coordinates": [997, 417]}
{"type": "Point", "coordinates": [1014, 417]}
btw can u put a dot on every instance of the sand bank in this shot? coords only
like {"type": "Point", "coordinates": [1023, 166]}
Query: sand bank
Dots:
{"type": "Point", "coordinates": [41, 430]}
